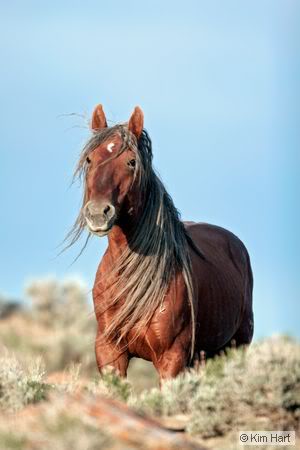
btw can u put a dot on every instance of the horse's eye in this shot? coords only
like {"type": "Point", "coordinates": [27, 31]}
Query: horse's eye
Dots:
{"type": "Point", "coordinates": [131, 163]}
{"type": "Point", "coordinates": [88, 160]}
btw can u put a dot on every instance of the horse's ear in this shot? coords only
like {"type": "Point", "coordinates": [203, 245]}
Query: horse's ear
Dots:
{"type": "Point", "coordinates": [98, 119]}
{"type": "Point", "coordinates": [136, 122]}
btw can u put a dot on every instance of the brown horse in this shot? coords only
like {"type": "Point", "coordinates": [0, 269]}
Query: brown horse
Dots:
{"type": "Point", "coordinates": [165, 290]}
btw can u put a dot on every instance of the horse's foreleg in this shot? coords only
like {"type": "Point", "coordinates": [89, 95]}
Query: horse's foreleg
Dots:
{"type": "Point", "coordinates": [109, 355]}
{"type": "Point", "coordinates": [171, 362]}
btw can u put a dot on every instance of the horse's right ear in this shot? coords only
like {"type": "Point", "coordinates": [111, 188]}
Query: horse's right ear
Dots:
{"type": "Point", "coordinates": [98, 119]}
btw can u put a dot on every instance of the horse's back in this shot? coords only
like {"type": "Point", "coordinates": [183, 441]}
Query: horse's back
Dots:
{"type": "Point", "coordinates": [213, 239]}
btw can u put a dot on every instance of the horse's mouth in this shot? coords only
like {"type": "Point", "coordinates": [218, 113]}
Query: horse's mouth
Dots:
{"type": "Point", "coordinates": [100, 231]}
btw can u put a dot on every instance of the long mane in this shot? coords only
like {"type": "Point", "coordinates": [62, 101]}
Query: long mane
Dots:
{"type": "Point", "coordinates": [157, 251]}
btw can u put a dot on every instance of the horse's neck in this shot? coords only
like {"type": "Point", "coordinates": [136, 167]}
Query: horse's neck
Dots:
{"type": "Point", "coordinates": [121, 234]}
{"type": "Point", "coordinates": [118, 239]}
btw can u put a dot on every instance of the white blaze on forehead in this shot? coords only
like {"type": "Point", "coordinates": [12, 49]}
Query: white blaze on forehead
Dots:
{"type": "Point", "coordinates": [110, 146]}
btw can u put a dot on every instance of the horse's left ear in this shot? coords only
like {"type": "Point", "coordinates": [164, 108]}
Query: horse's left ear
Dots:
{"type": "Point", "coordinates": [136, 122]}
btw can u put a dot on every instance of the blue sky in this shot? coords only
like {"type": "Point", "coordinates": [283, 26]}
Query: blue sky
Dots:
{"type": "Point", "coordinates": [219, 86]}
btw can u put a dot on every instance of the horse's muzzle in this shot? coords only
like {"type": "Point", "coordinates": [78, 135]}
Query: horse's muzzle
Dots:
{"type": "Point", "coordinates": [99, 217]}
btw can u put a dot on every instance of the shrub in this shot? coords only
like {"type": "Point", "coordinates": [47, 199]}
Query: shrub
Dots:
{"type": "Point", "coordinates": [254, 389]}
{"type": "Point", "coordinates": [245, 388]}
{"type": "Point", "coordinates": [20, 385]}
{"type": "Point", "coordinates": [59, 325]}
{"type": "Point", "coordinates": [111, 385]}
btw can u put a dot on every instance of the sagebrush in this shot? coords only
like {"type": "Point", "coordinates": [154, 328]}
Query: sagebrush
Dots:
{"type": "Point", "coordinates": [48, 355]}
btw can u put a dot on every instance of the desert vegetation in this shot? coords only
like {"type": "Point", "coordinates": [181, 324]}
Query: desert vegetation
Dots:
{"type": "Point", "coordinates": [50, 387]}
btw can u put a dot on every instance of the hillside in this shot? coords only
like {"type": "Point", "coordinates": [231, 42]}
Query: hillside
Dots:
{"type": "Point", "coordinates": [52, 397]}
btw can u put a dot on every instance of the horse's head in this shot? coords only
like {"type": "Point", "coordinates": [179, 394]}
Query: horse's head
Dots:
{"type": "Point", "coordinates": [110, 172]}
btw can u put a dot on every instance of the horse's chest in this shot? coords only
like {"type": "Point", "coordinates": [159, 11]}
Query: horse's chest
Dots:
{"type": "Point", "coordinates": [168, 321]}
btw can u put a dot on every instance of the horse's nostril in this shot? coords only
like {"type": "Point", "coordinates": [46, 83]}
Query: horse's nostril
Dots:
{"type": "Point", "coordinates": [106, 210]}
{"type": "Point", "coordinates": [87, 212]}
